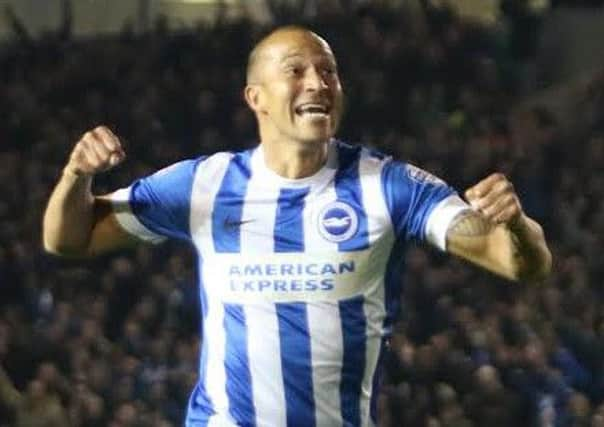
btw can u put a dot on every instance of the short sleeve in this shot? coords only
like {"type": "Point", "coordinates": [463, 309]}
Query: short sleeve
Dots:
{"type": "Point", "coordinates": [421, 205]}
{"type": "Point", "coordinates": [158, 206]}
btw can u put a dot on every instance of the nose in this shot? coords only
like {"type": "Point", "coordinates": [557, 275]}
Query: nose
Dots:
{"type": "Point", "coordinates": [314, 80]}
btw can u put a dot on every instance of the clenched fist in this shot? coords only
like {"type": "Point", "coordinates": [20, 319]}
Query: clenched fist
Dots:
{"type": "Point", "coordinates": [496, 199]}
{"type": "Point", "coordinates": [97, 151]}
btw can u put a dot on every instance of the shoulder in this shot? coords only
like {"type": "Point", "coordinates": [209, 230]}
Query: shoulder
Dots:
{"type": "Point", "coordinates": [390, 168]}
{"type": "Point", "coordinates": [366, 158]}
{"type": "Point", "coordinates": [403, 172]}
{"type": "Point", "coordinates": [192, 165]}
{"type": "Point", "coordinates": [359, 150]}
{"type": "Point", "coordinates": [179, 167]}
{"type": "Point", "coordinates": [225, 157]}
{"type": "Point", "coordinates": [419, 175]}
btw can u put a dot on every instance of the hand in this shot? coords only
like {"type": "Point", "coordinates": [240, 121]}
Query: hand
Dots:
{"type": "Point", "coordinates": [97, 151]}
{"type": "Point", "coordinates": [496, 199]}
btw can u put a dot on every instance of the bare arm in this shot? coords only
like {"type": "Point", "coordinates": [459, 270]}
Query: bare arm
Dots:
{"type": "Point", "coordinates": [76, 223]}
{"type": "Point", "coordinates": [497, 235]}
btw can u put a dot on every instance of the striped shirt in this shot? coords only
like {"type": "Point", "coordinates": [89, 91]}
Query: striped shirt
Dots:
{"type": "Point", "coordinates": [298, 279]}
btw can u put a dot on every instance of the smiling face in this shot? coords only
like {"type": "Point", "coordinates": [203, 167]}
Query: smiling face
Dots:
{"type": "Point", "coordinates": [294, 88]}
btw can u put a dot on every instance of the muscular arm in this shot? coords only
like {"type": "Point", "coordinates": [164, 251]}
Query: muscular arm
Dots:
{"type": "Point", "coordinates": [76, 223]}
{"type": "Point", "coordinates": [517, 250]}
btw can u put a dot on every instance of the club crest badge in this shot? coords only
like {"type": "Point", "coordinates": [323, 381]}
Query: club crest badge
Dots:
{"type": "Point", "coordinates": [338, 222]}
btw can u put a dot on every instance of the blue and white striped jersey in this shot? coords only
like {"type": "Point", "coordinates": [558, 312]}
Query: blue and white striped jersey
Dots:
{"type": "Point", "coordinates": [298, 279]}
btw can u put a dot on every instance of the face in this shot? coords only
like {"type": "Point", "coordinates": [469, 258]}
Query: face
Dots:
{"type": "Point", "coordinates": [297, 94]}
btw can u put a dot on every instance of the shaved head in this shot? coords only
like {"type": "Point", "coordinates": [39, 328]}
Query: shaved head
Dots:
{"type": "Point", "coordinates": [262, 49]}
{"type": "Point", "coordinates": [293, 87]}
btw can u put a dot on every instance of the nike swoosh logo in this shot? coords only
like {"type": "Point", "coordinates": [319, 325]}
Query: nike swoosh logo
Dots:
{"type": "Point", "coordinates": [229, 224]}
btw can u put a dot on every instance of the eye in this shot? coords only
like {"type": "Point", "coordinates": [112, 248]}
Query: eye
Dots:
{"type": "Point", "coordinates": [293, 70]}
{"type": "Point", "coordinates": [329, 71]}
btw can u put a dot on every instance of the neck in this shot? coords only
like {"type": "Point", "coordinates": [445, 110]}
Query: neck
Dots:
{"type": "Point", "coordinates": [301, 161]}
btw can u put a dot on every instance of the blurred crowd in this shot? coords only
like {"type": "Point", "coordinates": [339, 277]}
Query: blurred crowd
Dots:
{"type": "Point", "coordinates": [114, 341]}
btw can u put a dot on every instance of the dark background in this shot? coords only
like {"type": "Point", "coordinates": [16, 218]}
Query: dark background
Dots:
{"type": "Point", "coordinates": [114, 341]}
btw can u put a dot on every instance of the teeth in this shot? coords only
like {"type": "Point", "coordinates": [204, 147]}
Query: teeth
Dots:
{"type": "Point", "coordinates": [314, 114]}
{"type": "Point", "coordinates": [311, 108]}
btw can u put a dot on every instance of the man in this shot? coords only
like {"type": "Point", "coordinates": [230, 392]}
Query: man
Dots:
{"type": "Point", "coordinates": [298, 243]}
{"type": "Point", "coordinates": [36, 406]}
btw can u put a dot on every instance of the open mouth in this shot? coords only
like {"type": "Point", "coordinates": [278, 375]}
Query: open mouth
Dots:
{"type": "Point", "coordinates": [313, 110]}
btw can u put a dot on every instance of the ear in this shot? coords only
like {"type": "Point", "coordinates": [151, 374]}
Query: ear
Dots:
{"type": "Point", "coordinates": [254, 98]}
